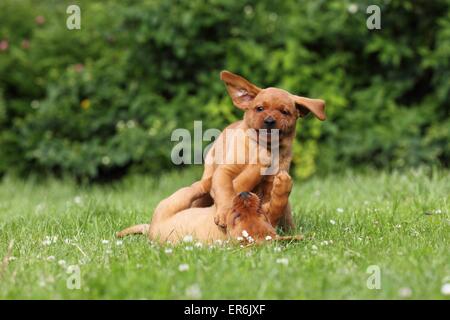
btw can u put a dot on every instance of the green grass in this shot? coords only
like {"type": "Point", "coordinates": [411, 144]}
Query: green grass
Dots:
{"type": "Point", "coordinates": [383, 223]}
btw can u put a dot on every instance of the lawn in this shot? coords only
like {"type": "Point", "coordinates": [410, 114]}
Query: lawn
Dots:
{"type": "Point", "coordinates": [398, 222]}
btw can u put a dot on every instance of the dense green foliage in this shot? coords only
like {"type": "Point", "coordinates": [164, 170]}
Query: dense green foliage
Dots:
{"type": "Point", "coordinates": [104, 100]}
{"type": "Point", "coordinates": [398, 222]}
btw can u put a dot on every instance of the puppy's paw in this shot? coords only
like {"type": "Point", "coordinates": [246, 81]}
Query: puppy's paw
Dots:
{"type": "Point", "coordinates": [220, 218]}
{"type": "Point", "coordinates": [282, 183]}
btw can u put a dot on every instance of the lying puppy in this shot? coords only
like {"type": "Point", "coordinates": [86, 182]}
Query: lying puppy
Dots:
{"type": "Point", "coordinates": [270, 108]}
{"type": "Point", "coordinates": [248, 222]}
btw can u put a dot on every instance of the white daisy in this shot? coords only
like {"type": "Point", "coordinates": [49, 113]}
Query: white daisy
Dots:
{"type": "Point", "coordinates": [198, 244]}
{"type": "Point", "coordinates": [445, 289]}
{"type": "Point", "coordinates": [187, 238]}
{"type": "Point", "coordinates": [194, 291]}
{"type": "Point", "coordinates": [40, 207]}
{"type": "Point", "coordinates": [183, 267]}
{"type": "Point", "coordinates": [283, 261]}
{"type": "Point", "coordinates": [405, 292]}
{"type": "Point", "coordinates": [77, 200]}
{"type": "Point", "coordinates": [352, 8]}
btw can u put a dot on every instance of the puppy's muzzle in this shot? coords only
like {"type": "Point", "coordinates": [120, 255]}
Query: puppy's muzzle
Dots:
{"type": "Point", "coordinates": [244, 195]}
{"type": "Point", "coordinates": [269, 122]}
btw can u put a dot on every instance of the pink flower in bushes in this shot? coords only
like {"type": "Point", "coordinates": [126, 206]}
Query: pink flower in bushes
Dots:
{"type": "Point", "coordinates": [40, 20]}
{"type": "Point", "coordinates": [25, 44]}
{"type": "Point", "coordinates": [78, 67]}
{"type": "Point", "coordinates": [4, 44]}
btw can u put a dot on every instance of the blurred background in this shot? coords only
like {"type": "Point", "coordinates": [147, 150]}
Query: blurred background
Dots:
{"type": "Point", "coordinates": [101, 102]}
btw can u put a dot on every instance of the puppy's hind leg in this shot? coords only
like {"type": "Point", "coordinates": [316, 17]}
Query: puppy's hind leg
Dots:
{"type": "Point", "coordinates": [180, 200]}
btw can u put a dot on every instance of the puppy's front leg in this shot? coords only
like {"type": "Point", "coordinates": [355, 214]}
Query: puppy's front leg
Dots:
{"type": "Point", "coordinates": [223, 192]}
{"type": "Point", "coordinates": [282, 186]}
{"type": "Point", "coordinates": [286, 222]}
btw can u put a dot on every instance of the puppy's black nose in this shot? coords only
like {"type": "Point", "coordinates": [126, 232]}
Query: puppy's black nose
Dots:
{"type": "Point", "coordinates": [244, 195]}
{"type": "Point", "coordinates": [269, 122]}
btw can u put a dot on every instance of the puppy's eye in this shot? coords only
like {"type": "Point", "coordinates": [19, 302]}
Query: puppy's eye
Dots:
{"type": "Point", "coordinates": [236, 218]}
{"type": "Point", "coordinates": [285, 112]}
{"type": "Point", "coordinates": [259, 108]}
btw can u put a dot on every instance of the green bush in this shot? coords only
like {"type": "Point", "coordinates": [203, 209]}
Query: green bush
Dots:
{"type": "Point", "coordinates": [102, 101]}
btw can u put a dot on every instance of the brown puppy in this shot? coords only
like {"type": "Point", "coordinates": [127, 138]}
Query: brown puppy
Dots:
{"type": "Point", "coordinates": [174, 220]}
{"type": "Point", "coordinates": [225, 175]}
{"type": "Point", "coordinates": [270, 108]}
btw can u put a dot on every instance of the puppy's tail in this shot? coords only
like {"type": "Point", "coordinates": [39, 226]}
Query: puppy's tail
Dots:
{"type": "Point", "coordinates": [289, 238]}
{"type": "Point", "coordinates": [137, 229]}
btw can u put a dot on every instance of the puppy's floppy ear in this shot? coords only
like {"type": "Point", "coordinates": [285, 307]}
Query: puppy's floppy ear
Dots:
{"type": "Point", "coordinates": [241, 91]}
{"type": "Point", "coordinates": [307, 105]}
